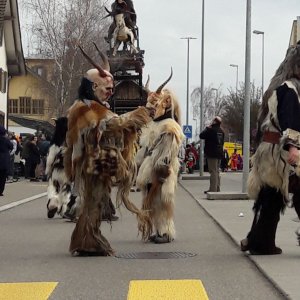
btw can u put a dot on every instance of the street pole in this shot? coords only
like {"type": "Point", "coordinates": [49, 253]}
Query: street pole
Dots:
{"type": "Point", "coordinates": [201, 158]}
{"type": "Point", "coordinates": [237, 77]}
{"type": "Point", "coordinates": [246, 141]}
{"type": "Point", "coordinates": [262, 59]}
{"type": "Point", "coordinates": [188, 79]}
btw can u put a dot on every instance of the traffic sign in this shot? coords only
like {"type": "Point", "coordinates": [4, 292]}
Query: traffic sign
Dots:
{"type": "Point", "coordinates": [187, 130]}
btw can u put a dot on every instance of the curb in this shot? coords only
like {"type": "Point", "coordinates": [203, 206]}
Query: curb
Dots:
{"type": "Point", "coordinates": [20, 202]}
{"type": "Point", "coordinates": [236, 243]}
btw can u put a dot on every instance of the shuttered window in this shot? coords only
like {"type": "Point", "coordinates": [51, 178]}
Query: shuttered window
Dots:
{"type": "Point", "coordinates": [13, 106]}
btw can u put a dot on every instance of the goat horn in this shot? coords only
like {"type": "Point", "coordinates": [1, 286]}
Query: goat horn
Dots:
{"type": "Point", "coordinates": [109, 12]}
{"type": "Point", "coordinates": [162, 86]}
{"type": "Point", "coordinates": [147, 84]}
{"type": "Point", "coordinates": [98, 67]}
{"type": "Point", "coordinates": [106, 17]}
{"type": "Point", "coordinates": [106, 65]}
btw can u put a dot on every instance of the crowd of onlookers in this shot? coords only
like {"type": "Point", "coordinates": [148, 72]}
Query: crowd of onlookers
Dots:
{"type": "Point", "coordinates": [22, 156]}
{"type": "Point", "coordinates": [189, 159]}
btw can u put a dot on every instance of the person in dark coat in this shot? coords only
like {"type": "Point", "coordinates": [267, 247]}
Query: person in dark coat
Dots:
{"type": "Point", "coordinates": [33, 157]}
{"type": "Point", "coordinates": [43, 145]}
{"type": "Point", "coordinates": [213, 150]}
{"type": "Point", "coordinates": [225, 161]}
{"type": "Point", "coordinates": [5, 147]}
{"type": "Point", "coordinates": [125, 7]}
{"type": "Point", "coordinates": [25, 155]}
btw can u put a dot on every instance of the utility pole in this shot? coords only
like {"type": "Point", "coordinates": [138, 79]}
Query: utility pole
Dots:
{"type": "Point", "coordinates": [246, 141]}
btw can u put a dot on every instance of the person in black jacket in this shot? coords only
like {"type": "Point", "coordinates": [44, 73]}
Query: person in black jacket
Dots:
{"type": "Point", "coordinates": [33, 157]}
{"type": "Point", "coordinates": [5, 147]}
{"type": "Point", "coordinates": [213, 149]}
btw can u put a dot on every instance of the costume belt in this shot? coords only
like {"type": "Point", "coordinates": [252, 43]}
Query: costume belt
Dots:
{"type": "Point", "coordinates": [271, 137]}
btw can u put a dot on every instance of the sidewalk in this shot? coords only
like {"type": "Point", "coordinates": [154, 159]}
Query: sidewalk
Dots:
{"type": "Point", "coordinates": [283, 270]}
{"type": "Point", "coordinates": [22, 189]}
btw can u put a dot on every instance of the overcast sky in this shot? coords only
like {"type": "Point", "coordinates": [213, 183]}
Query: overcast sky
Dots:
{"type": "Point", "coordinates": [163, 22]}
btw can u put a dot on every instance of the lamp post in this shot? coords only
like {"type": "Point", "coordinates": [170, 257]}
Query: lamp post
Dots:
{"type": "Point", "coordinates": [188, 77]}
{"type": "Point", "coordinates": [201, 162]}
{"type": "Point", "coordinates": [237, 77]}
{"type": "Point", "coordinates": [262, 59]}
{"type": "Point", "coordinates": [246, 140]}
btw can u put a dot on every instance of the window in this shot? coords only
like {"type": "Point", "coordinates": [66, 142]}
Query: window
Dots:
{"type": "Point", "coordinates": [13, 106]}
{"type": "Point", "coordinates": [37, 106]}
{"type": "Point", "coordinates": [3, 80]}
{"type": "Point", "coordinates": [40, 70]}
{"type": "Point", "coordinates": [25, 105]}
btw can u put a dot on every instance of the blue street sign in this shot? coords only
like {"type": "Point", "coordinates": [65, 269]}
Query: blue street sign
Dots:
{"type": "Point", "coordinates": [187, 130]}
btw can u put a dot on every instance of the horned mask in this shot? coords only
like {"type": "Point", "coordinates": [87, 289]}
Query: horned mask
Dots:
{"type": "Point", "coordinates": [162, 100]}
{"type": "Point", "coordinates": [100, 76]}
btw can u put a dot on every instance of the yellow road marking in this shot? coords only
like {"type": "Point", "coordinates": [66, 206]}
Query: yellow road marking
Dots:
{"type": "Point", "coordinates": [166, 290]}
{"type": "Point", "coordinates": [26, 290]}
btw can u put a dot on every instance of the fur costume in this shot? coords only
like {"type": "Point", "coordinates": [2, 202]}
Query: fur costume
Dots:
{"type": "Point", "coordinates": [278, 134]}
{"type": "Point", "coordinates": [100, 148]}
{"type": "Point", "coordinates": [272, 170]}
{"type": "Point", "coordinates": [157, 176]}
{"type": "Point", "coordinates": [59, 186]}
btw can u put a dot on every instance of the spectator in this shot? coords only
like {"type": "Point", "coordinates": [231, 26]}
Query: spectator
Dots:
{"type": "Point", "coordinates": [11, 168]}
{"type": "Point", "coordinates": [5, 147]}
{"type": "Point", "coordinates": [33, 157]}
{"type": "Point", "coordinates": [196, 155]}
{"type": "Point", "coordinates": [225, 161]}
{"type": "Point", "coordinates": [190, 162]}
{"type": "Point", "coordinates": [43, 145]}
{"type": "Point", "coordinates": [240, 162]}
{"type": "Point", "coordinates": [234, 161]}
{"type": "Point", "coordinates": [181, 157]}
{"type": "Point", "coordinates": [25, 154]}
{"type": "Point", "coordinates": [213, 149]}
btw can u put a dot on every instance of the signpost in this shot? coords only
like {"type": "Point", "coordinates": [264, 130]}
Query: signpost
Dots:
{"type": "Point", "coordinates": [187, 130]}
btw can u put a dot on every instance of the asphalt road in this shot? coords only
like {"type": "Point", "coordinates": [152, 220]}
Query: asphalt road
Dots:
{"type": "Point", "coordinates": [35, 249]}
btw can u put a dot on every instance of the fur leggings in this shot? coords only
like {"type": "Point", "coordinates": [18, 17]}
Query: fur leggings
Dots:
{"type": "Point", "coordinates": [267, 208]}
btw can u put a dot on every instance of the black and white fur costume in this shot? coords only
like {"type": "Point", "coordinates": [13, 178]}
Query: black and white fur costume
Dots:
{"type": "Point", "coordinates": [269, 179]}
{"type": "Point", "coordinates": [60, 198]}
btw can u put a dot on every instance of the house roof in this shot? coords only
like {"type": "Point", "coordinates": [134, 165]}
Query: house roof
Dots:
{"type": "Point", "coordinates": [2, 11]}
{"type": "Point", "coordinates": [38, 125]}
{"type": "Point", "coordinates": [12, 35]}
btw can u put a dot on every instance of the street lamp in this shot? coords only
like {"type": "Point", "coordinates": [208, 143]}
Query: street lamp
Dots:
{"type": "Point", "coordinates": [188, 77]}
{"type": "Point", "coordinates": [262, 60]}
{"type": "Point", "coordinates": [201, 167]}
{"type": "Point", "coordinates": [237, 77]}
{"type": "Point", "coordinates": [246, 139]}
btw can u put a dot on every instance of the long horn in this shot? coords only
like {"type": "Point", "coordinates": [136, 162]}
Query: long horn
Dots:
{"type": "Point", "coordinates": [162, 86]}
{"type": "Point", "coordinates": [98, 67]}
{"type": "Point", "coordinates": [109, 15]}
{"type": "Point", "coordinates": [106, 65]}
{"type": "Point", "coordinates": [107, 10]}
{"type": "Point", "coordinates": [147, 84]}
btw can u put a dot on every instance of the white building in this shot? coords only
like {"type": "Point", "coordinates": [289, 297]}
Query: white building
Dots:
{"type": "Point", "coordinates": [11, 53]}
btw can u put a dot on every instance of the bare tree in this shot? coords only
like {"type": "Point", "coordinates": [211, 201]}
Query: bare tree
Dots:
{"type": "Point", "coordinates": [233, 111]}
{"type": "Point", "coordinates": [212, 103]}
{"type": "Point", "coordinates": [59, 27]}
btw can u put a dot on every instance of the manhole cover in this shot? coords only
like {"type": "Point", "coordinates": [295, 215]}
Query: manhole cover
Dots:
{"type": "Point", "coordinates": [155, 255]}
